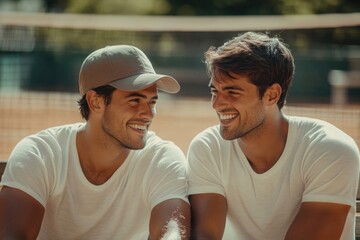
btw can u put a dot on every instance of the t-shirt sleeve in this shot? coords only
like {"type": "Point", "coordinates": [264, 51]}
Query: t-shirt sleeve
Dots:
{"type": "Point", "coordinates": [204, 167]}
{"type": "Point", "coordinates": [166, 176]}
{"type": "Point", "coordinates": [332, 174]}
{"type": "Point", "coordinates": [26, 169]}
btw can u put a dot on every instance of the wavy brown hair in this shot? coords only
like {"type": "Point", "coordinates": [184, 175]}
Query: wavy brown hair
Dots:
{"type": "Point", "coordinates": [265, 60]}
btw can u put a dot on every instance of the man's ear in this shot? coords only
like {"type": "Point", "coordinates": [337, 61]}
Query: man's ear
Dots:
{"type": "Point", "coordinates": [94, 101]}
{"type": "Point", "coordinates": [272, 94]}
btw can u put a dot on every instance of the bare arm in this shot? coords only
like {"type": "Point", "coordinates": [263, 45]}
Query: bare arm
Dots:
{"type": "Point", "coordinates": [208, 212]}
{"type": "Point", "coordinates": [20, 214]}
{"type": "Point", "coordinates": [316, 221]}
{"type": "Point", "coordinates": [170, 219]}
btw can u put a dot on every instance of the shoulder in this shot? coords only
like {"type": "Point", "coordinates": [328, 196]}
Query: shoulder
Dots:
{"type": "Point", "coordinates": [209, 145]}
{"type": "Point", "coordinates": [209, 140]}
{"type": "Point", "coordinates": [45, 145]}
{"type": "Point", "coordinates": [38, 163]}
{"type": "Point", "coordinates": [319, 131]}
{"type": "Point", "coordinates": [51, 137]}
{"type": "Point", "coordinates": [154, 142]}
{"type": "Point", "coordinates": [208, 136]}
{"type": "Point", "coordinates": [156, 146]}
{"type": "Point", "coordinates": [321, 138]}
{"type": "Point", "coordinates": [158, 156]}
{"type": "Point", "coordinates": [60, 132]}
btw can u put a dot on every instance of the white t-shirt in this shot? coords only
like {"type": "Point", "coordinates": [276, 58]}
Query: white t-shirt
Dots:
{"type": "Point", "coordinates": [320, 163]}
{"type": "Point", "coordinates": [46, 166]}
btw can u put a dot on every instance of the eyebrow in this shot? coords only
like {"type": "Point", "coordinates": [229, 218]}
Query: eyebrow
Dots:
{"type": "Point", "coordinates": [228, 88]}
{"type": "Point", "coordinates": [135, 94]}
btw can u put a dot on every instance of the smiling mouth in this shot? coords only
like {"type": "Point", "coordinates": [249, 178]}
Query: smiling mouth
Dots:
{"type": "Point", "coordinates": [227, 117]}
{"type": "Point", "coordinates": [138, 127]}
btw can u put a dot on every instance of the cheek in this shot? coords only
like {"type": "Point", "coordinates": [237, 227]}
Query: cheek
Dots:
{"type": "Point", "coordinates": [153, 110]}
{"type": "Point", "coordinates": [117, 116]}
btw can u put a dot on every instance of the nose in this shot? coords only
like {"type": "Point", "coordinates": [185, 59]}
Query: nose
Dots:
{"type": "Point", "coordinates": [148, 111]}
{"type": "Point", "coordinates": [217, 101]}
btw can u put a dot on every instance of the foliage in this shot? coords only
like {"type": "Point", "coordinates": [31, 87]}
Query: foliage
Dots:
{"type": "Point", "coordinates": [207, 7]}
{"type": "Point", "coordinates": [125, 7]}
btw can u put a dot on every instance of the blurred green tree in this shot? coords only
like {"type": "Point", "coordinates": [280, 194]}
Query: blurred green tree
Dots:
{"type": "Point", "coordinates": [204, 7]}
{"type": "Point", "coordinates": [125, 7]}
{"type": "Point", "coordinates": [260, 7]}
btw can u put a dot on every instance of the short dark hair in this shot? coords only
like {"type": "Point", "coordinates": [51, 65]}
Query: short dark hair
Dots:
{"type": "Point", "coordinates": [265, 60]}
{"type": "Point", "coordinates": [106, 91]}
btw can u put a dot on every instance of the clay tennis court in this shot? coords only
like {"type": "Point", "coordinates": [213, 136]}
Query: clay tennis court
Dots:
{"type": "Point", "coordinates": [177, 119]}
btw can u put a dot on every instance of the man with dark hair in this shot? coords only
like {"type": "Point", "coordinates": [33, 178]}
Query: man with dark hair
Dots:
{"type": "Point", "coordinates": [107, 178]}
{"type": "Point", "coordinates": [264, 174]}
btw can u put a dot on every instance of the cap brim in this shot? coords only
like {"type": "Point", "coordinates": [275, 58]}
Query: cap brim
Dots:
{"type": "Point", "coordinates": [141, 81]}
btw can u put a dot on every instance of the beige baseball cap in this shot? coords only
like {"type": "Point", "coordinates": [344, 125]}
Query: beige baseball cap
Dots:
{"type": "Point", "coordinates": [124, 67]}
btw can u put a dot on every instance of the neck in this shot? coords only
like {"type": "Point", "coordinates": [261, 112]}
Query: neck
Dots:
{"type": "Point", "coordinates": [265, 149]}
{"type": "Point", "coordinates": [98, 160]}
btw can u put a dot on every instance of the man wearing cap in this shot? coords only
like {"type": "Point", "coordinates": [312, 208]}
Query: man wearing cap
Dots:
{"type": "Point", "coordinates": [107, 178]}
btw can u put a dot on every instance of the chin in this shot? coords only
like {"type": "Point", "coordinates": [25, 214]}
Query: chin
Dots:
{"type": "Point", "coordinates": [227, 136]}
{"type": "Point", "coordinates": [134, 145]}
{"type": "Point", "coordinates": [138, 146]}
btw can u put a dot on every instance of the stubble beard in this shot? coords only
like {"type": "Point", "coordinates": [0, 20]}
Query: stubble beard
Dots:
{"type": "Point", "coordinates": [253, 127]}
{"type": "Point", "coordinates": [229, 134]}
{"type": "Point", "coordinates": [119, 137]}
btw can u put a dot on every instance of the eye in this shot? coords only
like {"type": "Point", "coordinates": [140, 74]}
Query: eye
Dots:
{"type": "Point", "coordinates": [153, 102]}
{"type": "Point", "coordinates": [233, 93]}
{"type": "Point", "coordinates": [213, 91]}
{"type": "Point", "coordinates": [134, 101]}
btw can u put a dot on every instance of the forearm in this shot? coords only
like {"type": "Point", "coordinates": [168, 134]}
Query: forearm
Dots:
{"type": "Point", "coordinates": [316, 221]}
{"type": "Point", "coordinates": [170, 220]}
{"type": "Point", "coordinates": [13, 235]}
{"type": "Point", "coordinates": [205, 237]}
{"type": "Point", "coordinates": [208, 216]}
{"type": "Point", "coordinates": [20, 215]}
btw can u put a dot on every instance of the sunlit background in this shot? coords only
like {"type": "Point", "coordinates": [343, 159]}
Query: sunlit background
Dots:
{"type": "Point", "coordinates": [43, 43]}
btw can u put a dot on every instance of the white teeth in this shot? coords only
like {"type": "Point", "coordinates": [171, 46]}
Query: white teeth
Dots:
{"type": "Point", "coordinates": [138, 126]}
{"type": "Point", "coordinates": [227, 117]}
